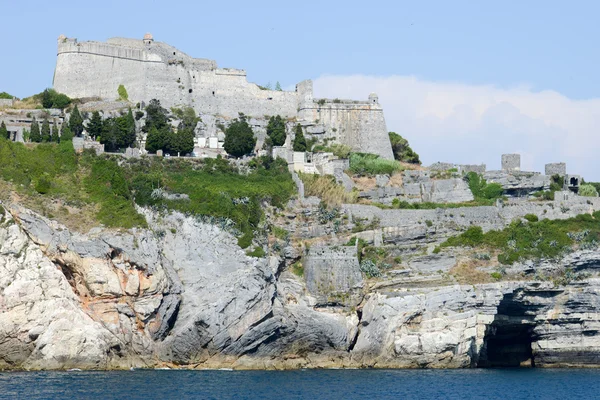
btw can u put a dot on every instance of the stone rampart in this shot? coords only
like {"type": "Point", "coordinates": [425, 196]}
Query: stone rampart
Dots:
{"type": "Point", "coordinates": [153, 70]}
{"type": "Point", "coordinates": [488, 217]}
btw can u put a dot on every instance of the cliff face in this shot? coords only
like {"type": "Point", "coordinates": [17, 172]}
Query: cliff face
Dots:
{"type": "Point", "coordinates": [182, 292]}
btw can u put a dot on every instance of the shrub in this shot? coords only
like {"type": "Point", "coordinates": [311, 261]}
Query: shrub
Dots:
{"type": "Point", "coordinates": [436, 250]}
{"type": "Point", "coordinates": [481, 189]}
{"type": "Point", "coordinates": [429, 223]}
{"type": "Point", "coordinates": [372, 164]}
{"type": "Point", "coordinates": [402, 150]}
{"type": "Point", "coordinates": [370, 269]}
{"type": "Point", "coordinates": [43, 185]}
{"type": "Point", "coordinates": [531, 217]}
{"type": "Point", "coordinates": [496, 275]}
{"type": "Point", "coordinates": [588, 190]}
{"type": "Point", "coordinates": [297, 269]}
{"type": "Point", "coordinates": [239, 138]}
{"type": "Point", "coordinates": [122, 93]}
{"type": "Point", "coordinates": [258, 252]}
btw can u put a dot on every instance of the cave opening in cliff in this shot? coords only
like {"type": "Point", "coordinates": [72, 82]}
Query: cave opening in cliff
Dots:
{"type": "Point", "coordinates": [508, 339]}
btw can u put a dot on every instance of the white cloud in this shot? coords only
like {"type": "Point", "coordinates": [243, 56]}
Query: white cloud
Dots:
{"type": "Point", "coordinates": [476, 124]}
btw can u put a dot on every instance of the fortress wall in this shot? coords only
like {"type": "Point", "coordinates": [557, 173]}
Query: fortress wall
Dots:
{"type": "Point", "coordinates": [97, 69]}
{"type": "Point", "coordinates": [226, 92]}
{"type": "Point", "coordinates": [360, 125]}
{"type": "Point", "coordinates": [89, 75]}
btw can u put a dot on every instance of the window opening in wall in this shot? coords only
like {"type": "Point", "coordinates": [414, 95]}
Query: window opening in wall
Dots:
{"type": "Point", "coordinates": [213, 93]}
{"type": "Point", "coordinates": [190, 91]}
{"type": "Point", "coordinates": [173, 53]}
{"type": "Point", "coordinates": [573, 181]}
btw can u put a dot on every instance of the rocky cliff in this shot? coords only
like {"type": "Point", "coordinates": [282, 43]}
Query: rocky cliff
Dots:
{"type": "Point", "coordinates": [183, 293]}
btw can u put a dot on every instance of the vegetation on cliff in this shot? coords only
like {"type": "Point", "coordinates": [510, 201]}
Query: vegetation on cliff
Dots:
{"type": "Point", "coordinates": [529, 238]}
{"type": "Point", "coordinates": [401, 149]}
{"type": "Point", "coordinates": [111, 186]}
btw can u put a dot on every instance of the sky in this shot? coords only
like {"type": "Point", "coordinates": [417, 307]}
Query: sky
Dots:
{"type": "Point", "coordinates": [463, 81]}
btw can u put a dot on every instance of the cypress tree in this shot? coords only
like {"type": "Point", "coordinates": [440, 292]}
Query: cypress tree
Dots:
{"type": "Point", "coordinates": [47, 99]}
{"type": "Point", "coordinates": [76, 122]}
{"type": "Point", "coordinates": [95, 126]}
{"type": "Point", "coordinates": [55, 135]}
{"type": "Point", "coordinates": [46, 131]}
{"type": "Point", "coordinates": [299, 140]}
{"type": "Point", "coordinates": [35, 135]}
{"type": "Point", "coordinates": [65, 133]}
{"type": "Point", "coordinates": [130, 133]}
{"type": "Point", "coordinates": [3, 131]}
{"type": "Point", "coordinates": [276, 131]}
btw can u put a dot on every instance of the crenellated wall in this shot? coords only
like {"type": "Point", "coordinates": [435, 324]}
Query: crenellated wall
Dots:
{"type": "Point", "coordinates": [154, 70]}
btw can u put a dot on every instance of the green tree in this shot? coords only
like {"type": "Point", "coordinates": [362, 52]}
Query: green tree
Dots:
{"type": "Point", "coordinates": [65, 133]}
{"type": "Point", "coordinates": [26, 135]}
{"type": "Point", "coordinates": [239, 138]}
{"type": "Point", "coordinates": [299, 140]}
{"type": "Point", "coordinates": [122, 93]}
{"type": "Point", "coordinates": [4, 95]}
{"type": "Point", "coordinates": [127, 130]}
{"type": "Point", "coordinates": [95, 126]}
{"type": "Point", "coordinates": [76, 122]}
{"type": "Point", "coordinates": [276, 131]}
{"type": "Point", "coordinates": [157, 139]}
{"type": "Point", "coordinates": [60, 100]}
{"type": "Point", "coordinates": [402, 150]}
{"type": "Point", "coordinates": [278, 87]}
{"type": "Point", "coordinates": [46, 131]}
{"type": "Point", "coordinates": [47, 99]}
{"type": "Point", "coordinates": [109, 135]}
{"type": "Point", "coordinates": [35, 135]}
{"type": "Point", "coordinates": [187, 116]}
{"type": "Point", "coordinates": [156, 116]}
{"type": "Point", "coordinates": [182, 141]}
{"type": "Point", "coordinates": [3, 131]}
{"type": "Point", "coordinates": [55, 135]}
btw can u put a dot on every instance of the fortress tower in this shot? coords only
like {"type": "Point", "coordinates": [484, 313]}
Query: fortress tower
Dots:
{"type": "Point", "coordinates": [155, 70]}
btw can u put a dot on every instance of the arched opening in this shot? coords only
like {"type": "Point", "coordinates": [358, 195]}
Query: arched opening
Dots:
{"type": "Point", "coordinates": [190, 91]}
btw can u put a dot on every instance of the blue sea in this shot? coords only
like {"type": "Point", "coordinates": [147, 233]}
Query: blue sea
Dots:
{"type": "Point", "coordinates": [305, 384]}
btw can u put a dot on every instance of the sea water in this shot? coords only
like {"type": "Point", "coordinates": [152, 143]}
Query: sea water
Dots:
{"type": "Point", "coordinates": [305, 384]}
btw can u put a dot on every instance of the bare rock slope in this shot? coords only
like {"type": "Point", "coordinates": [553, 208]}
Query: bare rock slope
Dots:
{"type": "Point", "coordinates": [183, 293]}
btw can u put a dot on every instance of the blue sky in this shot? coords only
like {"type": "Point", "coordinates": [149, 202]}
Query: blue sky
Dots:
{"type": "Point", "coordinates": [492, 50]}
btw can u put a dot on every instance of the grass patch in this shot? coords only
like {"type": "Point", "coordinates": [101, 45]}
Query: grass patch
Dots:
{"type": "Point", "coordinates": [297, 269]}
{"type": "Point", "coordinates": [372, 164]}
{"type": "Point", "coordinates": [523, 240]}
{"type": "Point", "coordinates": [326, 188]}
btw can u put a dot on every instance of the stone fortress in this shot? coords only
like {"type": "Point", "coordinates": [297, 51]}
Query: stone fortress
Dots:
{"type": "Point", "coordinates": [154, 70]}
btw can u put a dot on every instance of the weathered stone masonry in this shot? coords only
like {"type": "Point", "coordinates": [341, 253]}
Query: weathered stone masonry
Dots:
{"type": "Point", "coordinates": [150, 69]}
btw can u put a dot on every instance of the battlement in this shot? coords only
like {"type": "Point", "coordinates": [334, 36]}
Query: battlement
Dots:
{"type": "Point", "coordinates": [153, 70]}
